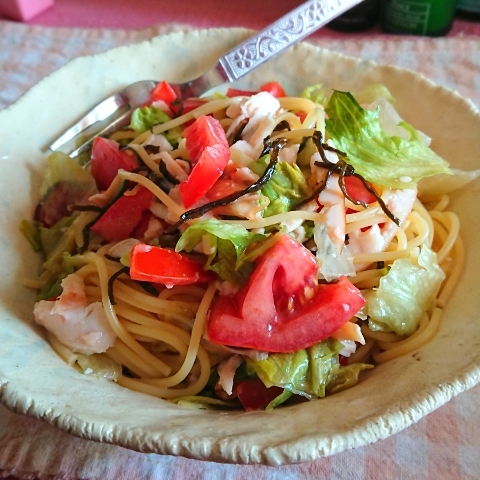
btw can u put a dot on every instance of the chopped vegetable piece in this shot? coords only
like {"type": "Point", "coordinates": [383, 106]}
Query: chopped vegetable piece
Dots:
{"type": "Point", "coordinates": [107, 159]}
{"type": "Point", "coordinates": [208, 148]}
{"type": "Point", "coordinates": [164, 92]}
{"type": "Point", "coordinates": [357, 190]}
{"type": "Point", "coordinates": [281, 309]}
{"type": "Point", "coordinates": [119, 221]}
{"type": "Point", "coordinates": [376, 156]}
{"type": "Point", "coordinates": [274, 89]}
{"type": "Point", "coordinates": [235, 92]}
{"type": "Point", "coordinates": [165, 266]}
{"type": "Point", "coordinates": [254, 395]}
{"type": "Point", "coordinates": [182, 107]}
{"type": "Point", "coordinates": [65, 183]}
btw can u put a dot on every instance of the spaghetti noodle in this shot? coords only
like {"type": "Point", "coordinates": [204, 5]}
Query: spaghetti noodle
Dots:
{"type": "Point", "coordinates": [158, 331]}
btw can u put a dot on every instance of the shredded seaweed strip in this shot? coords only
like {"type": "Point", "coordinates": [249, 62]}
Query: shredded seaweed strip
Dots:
{"type": "Point", "coordinates": [283, 125]}
{"type": "Point", "coordinates": [151, 149]}
{"type": "Point", "coordinates": [274, 146]}
{"type": "Point", "coordinates": [148, 287]}
{"type": "Point", "coordinates": [238, 133]}
{"type": "Point", "coordinates": [168, 176]}
{"type": "Point", "coordinates": [178, 102]}
{"type": "Point", "coordinates": [111, 258]}
{"type": "Point", "coordinates": [112, 279]}
{"type": "Point", "coordinates": [343, 169]}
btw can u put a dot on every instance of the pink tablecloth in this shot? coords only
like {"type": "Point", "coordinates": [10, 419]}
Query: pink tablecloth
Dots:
{"type": "Point", "coordinates": [444, 445]}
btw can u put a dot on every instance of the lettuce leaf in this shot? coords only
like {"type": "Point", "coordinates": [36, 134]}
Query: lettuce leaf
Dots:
{"type": "Point", "coordinates": [316, 93]}
{"type": "Point", "coordinates": [332, 263]}
{"type": "Point", "coordinates": [308, 372]}
{"type": "Point", "coordinates": [146, 117]}
{"type": "Point", "coordinates": [62, 169]}
{"type": "Point", "coordinates": [386, 160]}
{"type": "Point", "coordinates": [372, 93]}
{"type": "Point", "coordinates": [230, 242]}
{"type": "Point", "coordinates": [405, 294]}
{"type": "Point", "coordinates": [286, 188]}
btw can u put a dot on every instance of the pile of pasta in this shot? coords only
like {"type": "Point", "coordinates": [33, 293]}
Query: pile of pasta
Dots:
{"type": "Point", "coordinates": [160, 338]}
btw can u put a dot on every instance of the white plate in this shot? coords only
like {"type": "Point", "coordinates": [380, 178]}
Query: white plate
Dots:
{"type": "Point", "coordinates": [34, 381]}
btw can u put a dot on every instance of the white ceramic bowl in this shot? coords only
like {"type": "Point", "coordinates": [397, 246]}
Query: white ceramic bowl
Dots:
{"type": "Point", "coordinates": [35, 381]}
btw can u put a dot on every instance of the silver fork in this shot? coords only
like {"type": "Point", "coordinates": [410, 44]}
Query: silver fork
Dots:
{"type": "Point", "coordinates": [115, 112]}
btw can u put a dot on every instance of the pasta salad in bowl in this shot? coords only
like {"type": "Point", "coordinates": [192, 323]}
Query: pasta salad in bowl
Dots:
{"type": "Point", "coordinates": [275, 253]}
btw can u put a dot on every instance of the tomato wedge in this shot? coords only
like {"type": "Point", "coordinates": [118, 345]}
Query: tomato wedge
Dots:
{"type": "Point", "coordinates": [164, 92]}
{"type": "Point", "coordinates": [281, 309]}
{"type": "Point", "coordinates": [181, 108]}
{"type": "Point", "coordinates": [208, 148]}
{"type": "Point", "coordinates": [254, 395]}
{"type": "Point", "coordinates": [165, 266]}
{"type": "Point", "coordinates": [107, 159]}
{"type": "Point", "coordinates": [274, 89]}
{"type": "Point", "coordinates": [356, 189]}
{"type": "Point", "coordinates": [121, 218]}
{"type": "Point", "coordinates": [235, 92]}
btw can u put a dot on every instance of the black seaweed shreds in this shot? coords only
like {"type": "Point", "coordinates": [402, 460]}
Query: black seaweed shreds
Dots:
{"type": "Point", "coordinates": [152, 149]}
{"type": "Point", "coordinates": [343, 169]}
{"type": "Point", "coordinates": [270, 146]}
{"type": "Point", "coordinates": [111, 258]}
{"type": "Point", "coordinates": [111, 280]}
{"type": "Point", "coordinates": [283, 125]}
{"type": "Point", "coordinates": [149, 288]}
{"type": "Point", "coordinates": [168, 176]}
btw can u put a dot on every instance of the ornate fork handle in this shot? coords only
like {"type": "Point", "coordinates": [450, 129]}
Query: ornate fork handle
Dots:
{"type": "Point", "coordinates": [294, 26]}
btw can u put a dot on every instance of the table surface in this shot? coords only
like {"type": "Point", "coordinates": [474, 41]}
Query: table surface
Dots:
{"type": "Point", "coordinates": [443, 445]}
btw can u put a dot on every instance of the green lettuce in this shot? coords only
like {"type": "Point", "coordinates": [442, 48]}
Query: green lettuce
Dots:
{"type": "Point", "coordinates": [373, 92]}
{"type": "Point", "coordinates": [229, 244]}
{"type": "Point", "coordinates": [146, 117]}
{"type": "Point", "coordinates": [31, 230]}
{"type": "Point", "coordinates": [316, 93]}
{"type": "Point", "coordinates": [61, 169]}
{"type": "Point", "coordinates": [386, 160]}
{"type": "Point", "coordinates": [57, 243]}
{"type": "Point", "coordinates": [405, 294]}
{"type": "Point", "coordinates": [308, 372]}
{"type": "Point", "coordinates": [287, 187]}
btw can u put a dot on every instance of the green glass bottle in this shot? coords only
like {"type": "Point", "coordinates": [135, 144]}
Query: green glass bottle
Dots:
{"type": "Point", "coordinates": [418, 17]}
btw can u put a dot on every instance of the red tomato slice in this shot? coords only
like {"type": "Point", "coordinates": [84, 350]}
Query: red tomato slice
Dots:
{"type": "Point", "coordinates": [142, 226]}
{"type": "Point", "coordinates": [107, 159]}
{"type": "Point", "coordinates": [280, 309]}
{"type": "Point", "coordinates": [254, 395]}
{"type": "Point", "coordinates": [357, 190]}
{"type": "Point", "coordinates": [301, 116]}
{"type": "Point", "coordinates": [165, 266]}
{"type": "Point", "coordinates": [274, 89]}
{"type": "Point", "coordinates": [205, 132]}
{"type": "Point", "coordinates": [118, 222]}
{"type": "Point", "coordinates": [208, 147]}
{"type": "Point", "coordinates": [187, 106]}
{"type": "Point", "coordinates": [223, 188]}
{"type": "Point", "coordinates": [235, 92]}
{"type": "Point", "coordinates": [164, 92]}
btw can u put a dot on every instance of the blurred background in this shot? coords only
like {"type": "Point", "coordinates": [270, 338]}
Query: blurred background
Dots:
{"type": "Point", "coordinates": [427, 17]}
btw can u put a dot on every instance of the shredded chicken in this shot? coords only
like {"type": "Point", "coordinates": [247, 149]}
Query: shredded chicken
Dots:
{"type": "Point", "coordinates": [82, 327]}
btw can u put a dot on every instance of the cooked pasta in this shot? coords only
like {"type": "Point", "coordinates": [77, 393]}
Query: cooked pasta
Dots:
{"type": "Point", "coordinates": [249, 203]}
